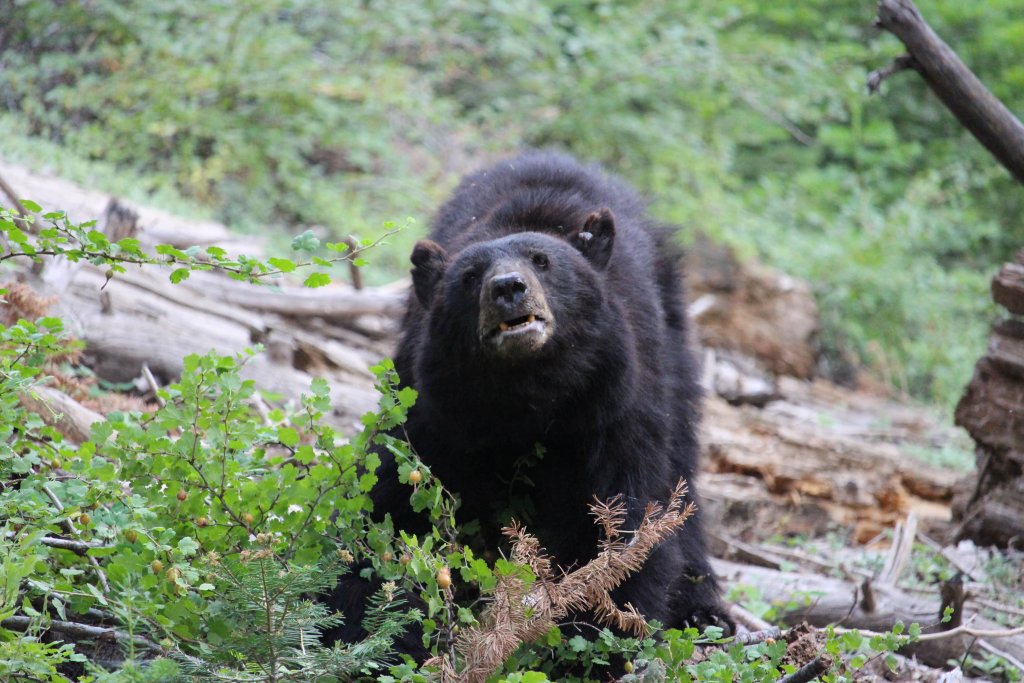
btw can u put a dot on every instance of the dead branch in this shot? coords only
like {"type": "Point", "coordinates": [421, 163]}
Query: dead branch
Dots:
{"type": "Point", "coordinates": [78, 631]}
{"type": "Point", "coordinates": [70, 527]}
{"type": "Point", "coordinates": [12, 197]}
{"type": "Point", "coordinates": [977, 109]}
{"type": "Point", "coordinates": [748, 619]}
{"type": "Point", "coordinates": [823, 601]}
{"type": "Point", "coordinates": [520, 614]}
{"type": "Point", "coordinates": [79, 547]}
{"type": "Point", "coordinates": [808, 672]}
{"type": "Point", "coordinates": [770, 633]}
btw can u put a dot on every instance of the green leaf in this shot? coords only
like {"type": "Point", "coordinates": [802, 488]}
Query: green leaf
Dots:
{"type": "Point", "coordinates": [578, 644]}
{"type": "Point", "coordinates": [180, 274]}
{"type": "Point", "coordinates": [306, 241]}
{"type": "Point", "coordinates": [31, 205]}
{"type": "Point", "coordinates": [288, 436]}
{"type": "Point", "coordinates": [534, 677]}
{"type": "Point", "coordinates": [317, 280]}
{"type": "Point", "coordinates": [187, 546]}
{"type": "Point", "coordinates": [282, 264]}
{"type": "Point", "coordinates": [168, 250]}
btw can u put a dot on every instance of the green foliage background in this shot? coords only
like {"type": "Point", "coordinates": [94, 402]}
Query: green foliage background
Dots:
{"type": "Point", "coordinates": [744, 119]}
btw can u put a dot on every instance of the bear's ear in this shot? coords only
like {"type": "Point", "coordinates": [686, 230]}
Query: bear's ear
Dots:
{"type": "Point", "coordinates": [596, 238]}
{"type": "Point", "coordinates": [430, 260]}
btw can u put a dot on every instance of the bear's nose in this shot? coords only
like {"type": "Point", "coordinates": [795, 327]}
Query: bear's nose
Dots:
{"type": "Point", "coordinates": [508, 288]}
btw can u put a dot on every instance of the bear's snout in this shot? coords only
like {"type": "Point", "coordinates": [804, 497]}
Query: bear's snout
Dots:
{"type": "Point", "coordinates": [515, 320]}
{"type": "Point", "coordinates": [508, 289]}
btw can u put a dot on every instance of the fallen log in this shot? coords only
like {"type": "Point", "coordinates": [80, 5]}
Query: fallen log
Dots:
{"type": "Point", "coordinates": [809, 456]}
{"type": "Point", "coordinates": [127, 326]}
{"type": "Point", "coordinates": [822, 601]}
{"type": "Point", "coordinates": [333, 303]}
{"type": "Point", "coordinates": [59, 410]}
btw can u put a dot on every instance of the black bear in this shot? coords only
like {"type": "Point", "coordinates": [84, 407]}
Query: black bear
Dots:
{"type": "Point", "coordinates": [547, 311]}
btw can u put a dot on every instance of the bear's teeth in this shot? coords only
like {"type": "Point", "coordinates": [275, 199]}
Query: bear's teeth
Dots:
{"type": "Point", "coordinates": [503, 327]}
{"type": "Point", "coordinates": [530, 318]}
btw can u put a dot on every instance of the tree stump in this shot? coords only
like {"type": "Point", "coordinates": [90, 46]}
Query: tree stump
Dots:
{"type": "Point", "coordinates": [990, 509]}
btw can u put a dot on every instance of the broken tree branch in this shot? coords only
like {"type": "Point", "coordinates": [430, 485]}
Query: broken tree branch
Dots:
{"type": "Point", "coordinates": [78, 631]}
{"type": "Point", "coordinates": [977, 109]}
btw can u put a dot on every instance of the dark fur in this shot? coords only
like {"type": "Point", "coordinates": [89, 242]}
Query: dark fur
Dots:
{"type": "Point", "coordinates": [612, 396]}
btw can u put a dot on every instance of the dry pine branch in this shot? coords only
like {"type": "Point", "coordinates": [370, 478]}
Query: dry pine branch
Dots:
{"type": "Point", "coordinates": [521, 613]}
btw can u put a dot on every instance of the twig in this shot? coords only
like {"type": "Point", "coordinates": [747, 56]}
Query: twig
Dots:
{"type": "Point", "coordinates": [12, 197]}
{"type": "Point", "coordinates": [80, 547]}
{"type": "Point", "coordinates": [777, 118]}
{"type": "Point", "coordinates": [946, 554]}
{"type": "Point", "coordinates": [748, 553]}
{"type": "Point", "coordinates": [808, 672]}
{"type": "Point", "coordinates": [992, 649]}
{"type": "Point", "coordinates": [153, 384]}
{"type": "Point", "coordinates": [259, 404]}
{"type": "Point", "coordinates": [76, 630]}
{"type": "Point", "coordinates": [800, 556]}
{"type": "Point", "coordinates": [964, 629]}
{"type": "Point", "coordinates": [995, 606]}
{"type": "Point", "coordinates": [72, 530]}
{"type": "Point", "coordinates": [899, 554]}
{"type": "Point", "coordinates": [748, 618]}
{"type": "Point", "coordinates": [901, 63]}
{"type": "Point", "coordinates": [770, 633]}
{"type": "Point", "coordinates": [356, 274]}
{"type": "Point", "coordinates": [175, 261]}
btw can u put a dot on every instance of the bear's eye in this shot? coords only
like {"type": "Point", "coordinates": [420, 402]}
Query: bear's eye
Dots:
{"type": "Point", "coordinates": [469, 278]}
{"type": "Point", "coordinates": [540, 260]}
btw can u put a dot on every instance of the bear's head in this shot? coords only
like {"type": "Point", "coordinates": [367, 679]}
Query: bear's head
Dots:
{"type": "Point", "coordinates": [518, 297]}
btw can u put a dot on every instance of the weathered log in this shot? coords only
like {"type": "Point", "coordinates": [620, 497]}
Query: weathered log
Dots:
{"type": "Point", "coordinates": [753, 310]}
{"type": "Point", "coordinates": [977, 109]}
{"type": "Point", "coordinates": [125, 326]}
{"type": "Point", "coordinates": [59, 410]}
{"type": "Point", "coordinates": [808, 453]}
{"type": "Point", "coordinates": [338, 303]}
{"type": "Point", "coordinates": [821, 601]}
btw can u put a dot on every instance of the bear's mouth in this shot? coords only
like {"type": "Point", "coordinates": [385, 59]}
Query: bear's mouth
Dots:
{"type": "Point", "coordinates": [518, 336]}
{"type": "Point", "coordinates": [519, 324]}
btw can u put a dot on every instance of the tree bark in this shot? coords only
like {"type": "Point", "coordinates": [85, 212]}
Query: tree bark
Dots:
{"type": "Point", "coordinates": [977, 109]}
{"type": "Point", "coordinates": [990, 510]}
